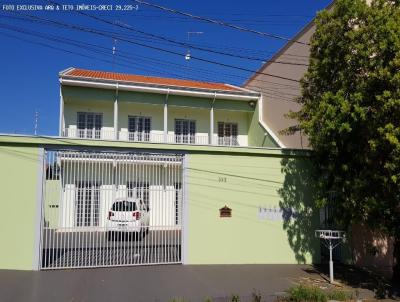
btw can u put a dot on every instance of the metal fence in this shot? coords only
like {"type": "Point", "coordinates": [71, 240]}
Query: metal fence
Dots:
{"type": "Point", "coordinates": [111, 209]}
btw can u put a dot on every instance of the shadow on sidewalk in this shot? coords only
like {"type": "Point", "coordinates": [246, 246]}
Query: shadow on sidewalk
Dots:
{"type": "Point", "coordinates": [358, 278]}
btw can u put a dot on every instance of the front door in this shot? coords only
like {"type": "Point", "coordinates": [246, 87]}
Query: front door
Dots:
{"type": "Point", "coordinates": [87, 204]}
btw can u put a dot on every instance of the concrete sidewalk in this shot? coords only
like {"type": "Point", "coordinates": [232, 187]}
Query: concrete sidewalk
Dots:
{"type": "Point", "coordinates": [150, 283]}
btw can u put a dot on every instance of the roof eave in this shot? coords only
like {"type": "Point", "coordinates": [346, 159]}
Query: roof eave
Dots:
{"type": "Point", "coordinates": [156, 88]}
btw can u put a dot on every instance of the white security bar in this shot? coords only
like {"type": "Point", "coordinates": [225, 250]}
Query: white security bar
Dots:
{"type": "Point", "coordinates": [104, 209]}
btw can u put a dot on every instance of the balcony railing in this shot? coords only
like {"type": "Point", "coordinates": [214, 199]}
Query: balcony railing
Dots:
{"type": "Point", "coordinates": [106, 134]}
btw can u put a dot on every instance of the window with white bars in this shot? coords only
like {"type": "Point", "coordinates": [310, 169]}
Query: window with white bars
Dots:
{"type": "Point", "coordinates": [185, 131]}
{"type": "Point", "coordinates": [89, 124]}
{"type": "Point", "coordinates": [139, 128]}
{"type": "Point", "coordinates": [228, 134]}
{"type": "Point", "coordinates": [138, 189]}
{"type": "Point", "coordinates": [87, 204]}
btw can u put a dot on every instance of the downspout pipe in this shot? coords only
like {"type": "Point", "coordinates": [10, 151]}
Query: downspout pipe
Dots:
{"type": "Point", "coordinates": [210, 141]}
{"type": "Point", "coordinates": [61, 118]}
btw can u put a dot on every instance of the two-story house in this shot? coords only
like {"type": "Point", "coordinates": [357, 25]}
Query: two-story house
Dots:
{"type": "Point", "coordinates": [149, 170]}
{"type": "Point", "coordinates": [113, 106]}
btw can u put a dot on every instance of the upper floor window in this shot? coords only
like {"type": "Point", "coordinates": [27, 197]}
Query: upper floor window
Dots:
{"type": "Point", "coordinates": [89, 124]}
{"type": "Point", "coordinates": [139, 128]}
{"type": "Point", "coordinates": [185, 131]}
{"type": "Point", "coordinates": [228, 134]}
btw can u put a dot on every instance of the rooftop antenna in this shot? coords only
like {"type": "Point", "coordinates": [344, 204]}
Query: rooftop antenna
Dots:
{"type": "Point", "coordinates": [36, 121]}
{"type": "Point", "coordinates": [114, 50]}
{"type": "Point", "coordinates": [187, 56]}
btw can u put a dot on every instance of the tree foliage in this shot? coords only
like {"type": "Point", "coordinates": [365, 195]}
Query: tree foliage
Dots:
{"type": "Point", "coordinates": [351, 112]}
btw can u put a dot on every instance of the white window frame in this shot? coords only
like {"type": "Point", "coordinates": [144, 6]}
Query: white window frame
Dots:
{"type": "Point", "coordinates": [189, 137]}
{"type": "Point", "coordinates": [85, 132]}
{"type": "Point", "coordinates": [228, 140]}
{"type": "Point", "coordinates": [139, 136]}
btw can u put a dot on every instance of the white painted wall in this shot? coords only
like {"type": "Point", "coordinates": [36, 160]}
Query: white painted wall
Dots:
{"type": "Point", "coordinates": [161, 190]}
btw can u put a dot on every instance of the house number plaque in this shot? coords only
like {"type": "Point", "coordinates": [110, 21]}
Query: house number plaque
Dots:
{"type": "Point", "coordinates": [225, 212]}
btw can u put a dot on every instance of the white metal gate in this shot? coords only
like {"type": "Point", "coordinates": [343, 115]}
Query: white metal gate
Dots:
{"type": "Point", "coordinates": [111, 209]}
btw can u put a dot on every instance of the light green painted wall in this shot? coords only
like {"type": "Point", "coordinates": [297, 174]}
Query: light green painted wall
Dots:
{"type": "Point", "coordinates": [19, 183]}
{"type": "Point", "coordinates": [156, 112]}
{"type": "Point", "coordinates": [189, 102]}
{"type": "Point", "coordinates": [201, 116]}
{"type": "Point", "coordinates": [233, 105]}
{"type": "Point", "coordinates": [57, 141]}
{"type": "Point", "coordinates": [246, 183]}
{"type": "Point", "coordinates": [83, 94]}
{"type": "Point", "coordinates": [141, 97]}
{"type": "Point", "coordinates": [253, 179]}
{"type": "Point", "coordinates": [72, 107]}
{"type": "Point", "coordinates": [257, 135]}
{"type": "Point", "coordinates": [148, 104]}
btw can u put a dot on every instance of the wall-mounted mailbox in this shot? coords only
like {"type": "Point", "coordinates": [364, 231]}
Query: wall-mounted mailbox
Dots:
{"type": "Point", "coordinates": [225, 212]}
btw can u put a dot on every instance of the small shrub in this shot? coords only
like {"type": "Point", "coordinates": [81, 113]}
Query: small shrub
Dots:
{"type": "Point", "coordinates": [381, 290]}
{"type": "Point", "coordinates": [339, 295]}
{"type": "Point", "coordinates": [235, 298]}
{"type": "Point", "coordinates": [256, 296]}
{"type": "Point", "coordinates": [178, 300]}
{"type": "Point", "coordinates": [208, 300]}
{"type": "Point", "coordinates": [305, 293]}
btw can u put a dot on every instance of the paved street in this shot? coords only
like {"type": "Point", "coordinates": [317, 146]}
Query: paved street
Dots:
{"type": "Point", "coordinates": [150, 283]}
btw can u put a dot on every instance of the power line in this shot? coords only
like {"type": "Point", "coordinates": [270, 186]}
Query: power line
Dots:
{"type": "Point", "coordinates": [268, 92]}
{"type": "Point", "coordinates": [303, 59]}
{"type": "Point", "coordinates": [80, 44]}
{"type": "Point", "coordinates": [100, 33]}
{"type": "Point", "coordinates": [218, 22]}
{"type": "Point", "coordinates": [82, 55]}
{"type": "Point", "coordinates": [129, 27]}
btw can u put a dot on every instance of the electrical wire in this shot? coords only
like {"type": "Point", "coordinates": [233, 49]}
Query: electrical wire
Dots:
{"type": "Point", "coordinates": [100, 33]}
{"type": "Point", "coordinates": [131, 28]}
{"type": "Point", "coordinates": [218, 22]}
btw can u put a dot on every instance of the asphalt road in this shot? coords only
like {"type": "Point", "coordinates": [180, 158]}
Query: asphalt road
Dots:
{"type": "Point", "coordinates": [150, 283]}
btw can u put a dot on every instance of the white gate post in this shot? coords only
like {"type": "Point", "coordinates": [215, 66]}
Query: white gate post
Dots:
{"type": "Point", "coordinates": [330, 262]}
{"type": "Point", "coordinates": [116, 114]}
{"type": "Point", "coordinates": [37, 246]}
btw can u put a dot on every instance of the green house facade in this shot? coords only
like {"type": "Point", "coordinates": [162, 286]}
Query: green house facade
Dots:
{"type": "Point", "coordinates": [182, 151]}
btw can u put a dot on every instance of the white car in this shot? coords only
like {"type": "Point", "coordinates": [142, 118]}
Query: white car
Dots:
{"type": "Point", "coordinates": [128, 215]}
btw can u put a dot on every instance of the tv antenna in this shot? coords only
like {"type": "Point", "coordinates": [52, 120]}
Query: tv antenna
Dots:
{"type": "Point", "coordinates": [114, 50]}
{"type": "Point", "coordinates": [188, 56]}
{"type": "Point", "coordinates": [36, 121]}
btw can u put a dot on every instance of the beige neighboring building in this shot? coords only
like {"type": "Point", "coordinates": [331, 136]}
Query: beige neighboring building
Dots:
{"type": "Point", "coordinates": [279, 94]}
{"type": "Point", "coordinates": [371, 250]}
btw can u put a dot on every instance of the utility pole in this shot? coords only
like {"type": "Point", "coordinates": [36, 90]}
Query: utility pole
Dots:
{"type": "Point", "coordinates": [36, 121]}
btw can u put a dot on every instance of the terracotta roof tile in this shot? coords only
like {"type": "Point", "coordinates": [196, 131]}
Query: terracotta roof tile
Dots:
{"type": "Point", "coordinates": [148, 80]}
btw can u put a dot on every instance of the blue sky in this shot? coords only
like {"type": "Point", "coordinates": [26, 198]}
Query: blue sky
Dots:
{"type": "Point", "coordinates": [32, 53]}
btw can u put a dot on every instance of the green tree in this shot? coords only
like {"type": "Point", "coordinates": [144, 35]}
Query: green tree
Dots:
{"type": "Point", "coordinates": [351, 113]}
